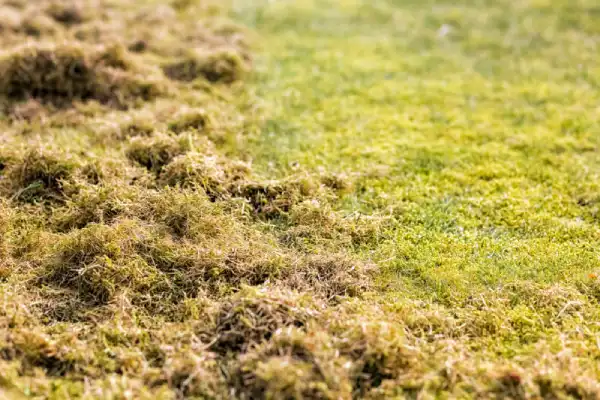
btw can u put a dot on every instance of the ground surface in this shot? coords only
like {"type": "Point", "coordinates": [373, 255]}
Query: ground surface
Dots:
{"type": "Point", "coordinates": [300, 199]}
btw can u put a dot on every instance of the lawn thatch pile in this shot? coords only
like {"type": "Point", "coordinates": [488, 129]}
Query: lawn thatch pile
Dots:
{"type": "Point", "coordinates": [62, 74]}
{"type": "Point", "coordinates": [216, 67]}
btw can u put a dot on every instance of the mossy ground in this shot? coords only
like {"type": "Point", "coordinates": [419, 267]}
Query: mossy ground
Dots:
{"type": "Point", "coordinates": [323, 199]}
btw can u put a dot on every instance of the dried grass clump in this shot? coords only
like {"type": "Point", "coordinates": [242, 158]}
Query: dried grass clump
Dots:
{"type": "Point", "coordinates": [272, 199]}
{"type": "Point", "coordinates": [223, 66]}
{"type": "Point", "coordinates": [286, 377]}
{"type": "Point", "coordinates": [186, 214]}
{"type": "Point", "coordinates": [156, 152]}
{"type": "Point", "coordinates": [190, 120]}
{"type": "Point", "coordinates": [570, 385]}
{"type": "Point", "coordinates": [246, 263]}
{"type": "Point", "coordinates": [315, 223]}
{"type": "Point", "coordinates": [154, 269]}
{"type": "Point", "coordinates": [293, 365]}
{"type": "Point", "coordinates": [253, 315]}
{"type": "Point", "coordinates": [194, 376]}
{"type": "Point", "coordinates": [15, 22]}
{"type": "Point", "coordinates": [138, 46]}
{"type": "Point", "coordinates": [35, 349]}
{"type": "Point", "coordinates": [337, 182]}
{"type": "Point", "coordinates": [98, 261]}
{"type": "Point", "coordinates": [164, 281]}
{"type": "Point", "coordinates": [40, 176]}
{"type": "Point", "coordinates": [67, 13]}
{"type": "Point", "coordinates": [342, 354]}
{"type": "Point", "coordinates": [64, 73]}
{"type": "Point", "coordinates": [330, 276]}
{"type": "Point", "coordinates": [378, 350]}
{"type": "Point", "coordinates": [214, 174]}
{"type": "Point", "coordinates": [590, 287]}
{"type": "Point", "coordinates": [42, 18]}
{"type": "Point", "coordinates": [6, 158]}
{"type": "Point", "coordinates": [136, 127]}
{"type": "Point", "coordinates": [93, 204]}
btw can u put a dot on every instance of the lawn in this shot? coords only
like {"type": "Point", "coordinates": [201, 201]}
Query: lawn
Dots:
{"type": "Point", "coordinates": [319, 199]}
{"type": "Point", "coordinates": [472, 123]}
{"type": "Point", "coordinates": [473, 127]}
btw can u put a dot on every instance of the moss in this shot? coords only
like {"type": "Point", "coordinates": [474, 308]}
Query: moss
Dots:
{"type": "Point", "coordinates": [272, 199]}
{"type": "Point", "coordinates": [196, 377]}
{"type": "Point", "coordinates": [62, 74]}
{"type": "Point", "coordinates": [209, 172]}
{"type": "Point", "coordinates": [330, 276]}
{"type": "Point", "coordinates": [136, 127]}
{"type": "Point", "coordinates": [253, 316]}
{"type": "Point", "coordinates": [190, 120]}
{"type": "Point", "coordinates": [156, 152]}
{"type": "Point", "coordinates": [40, 176]}
{"type": "Point", "coordinates": [99, 261]}
{"type": "Point", "coordinates": [294, 364]}
{"type": "Point", "coordinates": [223, 66]}
{"type": "Point", "coordinates": [378, 350]}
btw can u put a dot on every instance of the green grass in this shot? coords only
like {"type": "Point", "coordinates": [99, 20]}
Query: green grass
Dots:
{"type": "Point", "coordinates": [474, 124]}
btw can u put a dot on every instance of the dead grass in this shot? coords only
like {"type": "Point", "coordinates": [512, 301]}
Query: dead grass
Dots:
{"type": "Point", "coordinates": [294, 364]}
{"type": "Point", "coordinates": [98, 261]}
{"type": "Point", "coordinates": [274, 198]}
{"type": "Point", "coordinates": [158, 250]}
{"type": "Point", "coordinates": [197, 120]}
{"type": "Point", "coordinates": [95, 204]}
{"type": "Point", "coordinates": [222, 179]}
{"type": "Point", "coordinates": [252, 316]}
{"type": "Point", "coordinates": [65, 73]}
{"type": "Point", "coordinates": [141, 258]}
{"type": "Point", "coordinates": [195, 376]}
{"type": "Point", "coordinates": [30, 110]}
{"type": "Point", "coordinates": [208, 172]}
{"type": "Point", "coordinates": [155, 153]}
{"type": "Point", "coordinates": [223, 66]}
{"type": "Point", "coordinates": [39, 176]}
